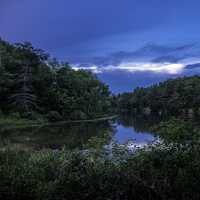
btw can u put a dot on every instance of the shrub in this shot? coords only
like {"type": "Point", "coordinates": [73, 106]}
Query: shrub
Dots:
{"type": "Point", "coordinates": [15, 115]}
{"type": "Point", "coordinates": [78, 115]}
{"type": "Point", "coordinates": [54, 116]}
{"type": "Point", "coordinates": [162, 172]}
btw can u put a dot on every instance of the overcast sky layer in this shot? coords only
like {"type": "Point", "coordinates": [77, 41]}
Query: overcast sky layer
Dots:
{"type": "Point", "coordinates": [128, 43]}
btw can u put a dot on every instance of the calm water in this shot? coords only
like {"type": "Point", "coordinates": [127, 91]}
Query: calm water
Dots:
{"type": "Point", "coordinates": [76, 135]}
{"type": "Point", "coordinates": [126, 134]}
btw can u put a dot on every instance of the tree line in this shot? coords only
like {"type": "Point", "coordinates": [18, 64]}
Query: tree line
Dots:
{"type": "Point", "coordinates": [175, 97]}
{"type": "Point", "coordinates": [33, 83]}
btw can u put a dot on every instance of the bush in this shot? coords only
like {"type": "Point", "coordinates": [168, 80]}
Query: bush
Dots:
{"type": "Point", "coordinates": [162, 172]}
{"type": "Point", "coordinates": [78, 115]}
{"type": "Point", "coordinates": [177, 130]}
{"type": "Point", "coordinates": [15, 115]}
{"type": "Point", "coordinates": [54, 116]}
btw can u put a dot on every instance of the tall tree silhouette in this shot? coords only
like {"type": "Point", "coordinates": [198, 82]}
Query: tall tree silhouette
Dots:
{"type": "Point", "coordinates": [23, 98]}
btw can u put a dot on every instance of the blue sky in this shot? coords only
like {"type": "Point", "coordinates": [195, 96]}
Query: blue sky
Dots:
{"type": "Point", "coordinates": [127, 43]}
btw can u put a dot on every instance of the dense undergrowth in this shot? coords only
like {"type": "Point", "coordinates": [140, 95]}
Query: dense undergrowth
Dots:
{"type": "Point", "coordinates": [159, 172]}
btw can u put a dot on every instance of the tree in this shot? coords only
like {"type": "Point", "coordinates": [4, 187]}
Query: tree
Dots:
{"type": "Point", "coordinates": [33, 81]}
{"type": "Point", "coordinates": [23, 98]}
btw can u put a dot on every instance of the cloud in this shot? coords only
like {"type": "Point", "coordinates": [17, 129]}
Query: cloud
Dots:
{"type": "Point", "coordinates": [169, 58]}
{"type": "Point", "coordinates": [151, 57]}
{"type": "Point", "coordinates": [156, 49]}
{"type": "Point", "coordinates": [137, 67]}
{"type": "Point", "coordinates": [193, 66]}
{"type": "Point", "coordinates": [153, 53]}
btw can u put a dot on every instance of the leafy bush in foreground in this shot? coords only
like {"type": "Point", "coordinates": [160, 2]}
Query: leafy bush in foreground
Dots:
{"type": "Point", "coordinates": [164, 172]}
{"type": "Point", "coordinates": [177, 130]}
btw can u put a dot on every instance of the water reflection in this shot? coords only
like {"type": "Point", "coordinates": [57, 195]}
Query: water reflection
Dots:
{"type": "Point", "coordinates": [77, 135]}
{"type": "Point", "coordinates": [69, 136]}
{"type": "Point", "coordinates": [139, 123]}
{"type": "Point", "coordinates": [135, 130]}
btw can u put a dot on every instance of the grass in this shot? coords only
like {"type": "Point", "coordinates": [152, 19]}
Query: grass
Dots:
{"type": "Point", "coordinates": [12, 122]}
{"type": "Point", "coordinates": [160, 173]}
{"type": "Point", "coordinates": [9, 122]}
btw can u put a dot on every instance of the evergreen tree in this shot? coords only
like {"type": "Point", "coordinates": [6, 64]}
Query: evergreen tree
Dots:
{"type": "Point", "coordinates": [23, 98]}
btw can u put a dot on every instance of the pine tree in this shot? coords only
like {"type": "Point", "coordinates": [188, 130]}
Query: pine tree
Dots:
{"type": "Point", "coordinates": [24, 99]}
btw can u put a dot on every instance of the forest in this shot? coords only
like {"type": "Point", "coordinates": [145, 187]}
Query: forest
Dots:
{"type": "Point", "coordinates": [33, 85]}
{"type": "Point", "coordinates": [175, 97]}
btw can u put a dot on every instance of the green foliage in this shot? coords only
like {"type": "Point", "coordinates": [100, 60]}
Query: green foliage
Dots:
{"type": "Point", "coordinates": [176, 97]}
{"type": "Point", "coordinates": [162, 172]}
{"type": "Point", "coordinates": [54, 116]}
{"type": "Point", "coordinates": [31, 81]}
{"type": "Point", "coordinates": [176, 130]}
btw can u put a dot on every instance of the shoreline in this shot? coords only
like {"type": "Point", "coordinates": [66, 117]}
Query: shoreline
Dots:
{"type": "Point", "coordinates": [38, 124]}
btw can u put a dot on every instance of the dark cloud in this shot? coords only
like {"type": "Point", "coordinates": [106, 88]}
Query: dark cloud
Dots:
{"type": "Point", "coordinates": [168, 59]}
{"type": "Point", "coordinates": [151, 52]}
{"type": "Point", "coordinates": [193, 66]}
{"type": "Point", "coordinates": [155, 49]}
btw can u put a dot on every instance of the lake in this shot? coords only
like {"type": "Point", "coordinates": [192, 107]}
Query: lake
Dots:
{"type": "Point", "coordinates": [77, 135]}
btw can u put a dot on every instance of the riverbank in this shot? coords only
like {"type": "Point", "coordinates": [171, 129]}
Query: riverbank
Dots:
{"type": "Point", "coordinates": [8, 123]}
